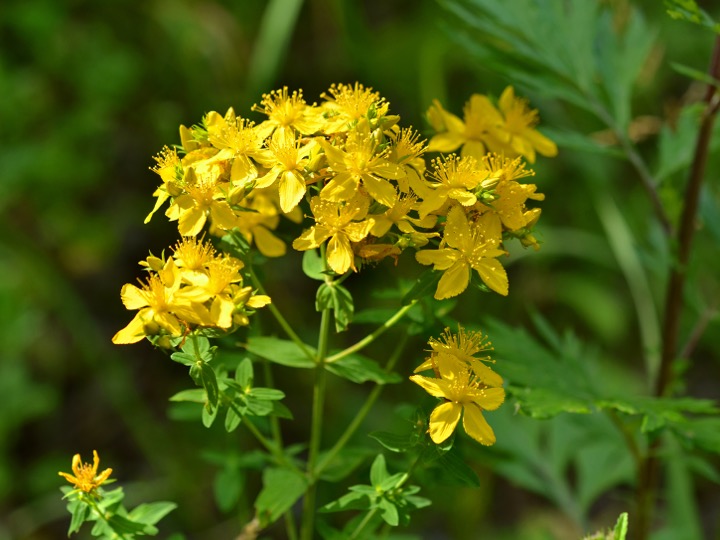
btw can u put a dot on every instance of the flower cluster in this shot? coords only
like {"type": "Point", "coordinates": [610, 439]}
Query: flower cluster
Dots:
{"type": "Point", "coordinates": [369, 191]}
{"type": "Point", "coordinates": [465, 383]}
{"type": "Point", "coordinates": [194, 288]}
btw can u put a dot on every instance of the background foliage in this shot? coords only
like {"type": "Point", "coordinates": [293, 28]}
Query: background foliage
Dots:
{"type": "Point", "coordinates": [92, 90]}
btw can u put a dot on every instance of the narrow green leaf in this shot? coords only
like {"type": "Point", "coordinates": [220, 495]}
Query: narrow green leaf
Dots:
{"type": "Point", "coordinates": [349, 501]}
{"type": "Point", "coordinates": [267, 394]}
{"type": "Point", "coordinates": [360, 369]}
{"type": "Point", "coordinates": [621, 527]}
{"type": "Point", "coordinates": [209, 414]}
{"type": "Point", "coordinates": [281, 351]}
{"type": "Point", "coordinates": [209, 382]}
{"type": "Point", "coordinates": [195, 395]}
{"type": "Point", "coordinates": [378, 471]}
{"type": "Point", "coordinates": [281, 488]}
{"type": "Point", "coordinates": [393, 441]}
{"type": "Point", "coordinates": [228, 486]}
{"type": "Point", "coordinates": [244, 373]}
{"type": "Point", "coordinates": [232, 420]}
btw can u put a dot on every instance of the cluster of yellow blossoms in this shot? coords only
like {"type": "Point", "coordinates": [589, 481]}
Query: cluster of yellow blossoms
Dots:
{"type": "Point", "coordinates": [464, 382]}
{"type": "Point", "coordinates": [369, 191]}
{"type": "Point", "coordinates": [195, 287]}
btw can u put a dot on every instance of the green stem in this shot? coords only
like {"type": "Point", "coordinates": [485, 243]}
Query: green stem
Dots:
{"type": "Point", "coordinates": [364, 523]}
{"type": "Point", "coordinates": [367, 340]}
{"type": "Point", "coordinates": [308, 521]}
{"type": "Point", "coordinates": [279, 317]}
{"type": "Point", "coordinates": [359, 417]}
{"type": "Point", "coordinates": [274, 450]}
{"type": "Point", "coordinates": [93, 504]}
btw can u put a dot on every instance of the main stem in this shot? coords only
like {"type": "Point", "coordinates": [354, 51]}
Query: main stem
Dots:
{"type": "Point", "coordinates": [648, 473]}
{"type": "Point", "coordinates": [308, 518]}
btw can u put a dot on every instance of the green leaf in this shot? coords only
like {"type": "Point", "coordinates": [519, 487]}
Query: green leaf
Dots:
{"type": "Point", "coordinates": [266, 394]}
{"type": "Point", "coordinates": [621, 527]}
{"type": "Point", "coordinates": [349, 501]}
{"type": "Point", "coordinates": [378, 471]}
{"type": "Point", "coordinates": [456, 468]}
{"type": "Point", "coordinates": [689, 11]}
{"type": "Point", "coordinates": [228, 487]}
{"type": "Point", "coordinates": [183, 358]}
{"type": "Point", "coordinates": [389, 512]}
{"type": "Point", "coordinates": [337, 298]}
{"type": "Point", "coordinates": [281, 351]}
{"type": "Point", "coordinates": [151, 513]}
{"type": "Point", "coordinates": [235, 244]}
{"type": "Point", "coordinates": [123, 526]}
{"type": "Point", "coordinates": [281, 411]}
{"type": "Point", "coordinates": [281, 488]}
{"type": "Point", "coordinates": [209, 414]}
{"type": "Point", "coordinates": [80, 512]}
{"type": "Point", "coordinates": [232, 420]}
{"type": "Point", "coordinates": [259, 407]}
{"type": "Point", "coordinates": [393, 441]}
{"type": "Point", "coordinates": [196, 345]}
{"type": "Point", "coordinates": [360, 369]}
{"type": "Point", "coordinates": [244, 373]}
{"type": "Point", "coordinates": [195, 395]}
{"type": "Point", "coordinates": [209, 382]}
{"type": "Point", "coordinates": [313, 266]}
{"type": "Point", "coordinates": [695, 74]}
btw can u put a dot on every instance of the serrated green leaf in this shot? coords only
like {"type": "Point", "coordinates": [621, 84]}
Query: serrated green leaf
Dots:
{"type": "Point", "coordinates": [151, 513]}
{"type": "Point", "coordinates": [360, 369]}
{"type": "Point", "coordinates": [393, 441]}
{"type": "Point", "coordinates": [281, 488]}
{"type": "Point", "coordinates": [313, 266]}
{"type": "Point", "coordinates": [195, 395]}
{"type": "Point", "coordinates": [281, 351]}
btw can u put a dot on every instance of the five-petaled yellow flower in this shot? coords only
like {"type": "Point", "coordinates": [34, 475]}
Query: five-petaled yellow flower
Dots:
{"type": "Point", "coordinates": [471, 246]}
{"type": "Point", "coordinates": [85, 477]}
{"type": "Point", "coordinates": [464, 395]}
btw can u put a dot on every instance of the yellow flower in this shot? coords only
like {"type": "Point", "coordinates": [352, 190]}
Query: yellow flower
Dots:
{"type": "Point", "coordinates": [360, 162]}
{"type": "Point", "coordinates": [159, 311]}
{"type": "Point", "coordinates": [286, 113]}
{"type": "Point", "coordinates": [471, 247]}
{"type": "Point", "coordinates": [85, 477]}
{"type": "Point", "coordinates": [169, 168]}
{"type": "Point", "coordinates": [259, 220]}
{"type": "Point", "coordinates": [397, 215]}
{"type": "Point", "coordinates": [481, 128]}
{"type": "Point", "coordinates": [461, 348]}
{"type": "Point", "coordinates": [338, 222]}
{"type": "Point", "coordinates": [287, 163]}
{"type": "Point", "coordinates": [519, 124]}
{"type": "Point", "coordinates": [407, 150]}
{"type": "Point", "coordinates": [509, 196]}
{"type": "Point", "coordinates": [346, 104]}
{"type": "Point", "coordinates": [454, 178]}
{"type": "Point", "coordinates": [202, 199]}
{"type": "Point", "coordinates": [464, 395]}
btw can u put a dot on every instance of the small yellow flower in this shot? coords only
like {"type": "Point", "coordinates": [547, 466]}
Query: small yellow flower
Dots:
{"type": "Point", "coordinates": [480, 130]}
{"type": "Point", "coordinates": [471, 247]}
{"type": "Point", "coordinates": [360, 162]}
{"type": "Point", "coordinates": [342, 223]}
{"type": "Point", "coordinates": [519, 124]}
{"type": "Point", "coordinates": [85, 477]}
{"type": "Point", "coordinates": [347, 103]}
{"type": "Point", "coordinates": [286, 112]}
{"type": "Point", "coordinates": [464, 395]}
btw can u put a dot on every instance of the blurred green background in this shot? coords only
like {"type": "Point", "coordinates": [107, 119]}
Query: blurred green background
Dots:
{"type": "Point", "coordinates": [89, 91]}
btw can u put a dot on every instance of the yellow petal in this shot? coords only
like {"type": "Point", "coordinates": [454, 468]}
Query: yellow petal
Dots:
{"type": "Point", "coordinates": [443, 421]}
{"type": "Point", "coordinates": [474, 149]}
{"type": "Point", "coordinates": [441, 258]}
{"type": "Point", "coordinates": [486, 374]}
{"type": "Point", "coordinates": [192, 221]}
{"type": "Point", "coordinates": [222, 215]}
{"type": "Point", "coordinates": [493, 274]}
{"type": "Point", "coordinates": [454, 280]}
{"type": "Point", "coordinates": [357, 230]}
{"type": "Point", "coordinates": [489, 399]}
{"type": "Point", "coordinates": [381, 190]}
{"type": "Point", "coordinates": [476, 426]}
{"type": "Point", "coordinates": [132, 297]}
{"type": "Point", "coordinates": [291, 189]}
{"type": "Point", "coordinates": [434, 387]}
{"type": "Point", "coordinates": [258, 301]}
{"type": "Point", "coordinates": [446, 142]}
{"type": "Point", "coordinates": [339, 254]}
{"type": "Point", "coordinates": [132, 333]}
{"type": "Point", "coordinates": [267, 243]}
{"type": "Point", "coordinates": [543, 145]}
{"type": "Point", "coordinates": [221, 312]}
{"type": "Point", "coordinates": [340, 188]}
{"type": "Point", "coordinates": [311, 238]}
